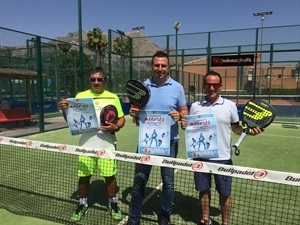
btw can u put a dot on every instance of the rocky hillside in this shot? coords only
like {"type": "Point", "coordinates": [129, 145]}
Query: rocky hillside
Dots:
{"type": "Point", "coordinates": [144, 46]}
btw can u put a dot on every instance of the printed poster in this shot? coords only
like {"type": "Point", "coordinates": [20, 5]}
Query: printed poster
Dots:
{"type": "Point", "coordinates": [81, 115]}
{"type": "Point", "coordinates": [154, 133]}
{"type": "Point", "coordinates": [201, 136]}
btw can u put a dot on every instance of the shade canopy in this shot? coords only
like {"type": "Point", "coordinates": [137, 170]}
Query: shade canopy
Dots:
{"type": "Point", "coordinates": [18, 74]}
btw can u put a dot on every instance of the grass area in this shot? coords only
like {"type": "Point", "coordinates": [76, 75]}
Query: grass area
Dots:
{"type": "Point", "coordinates": [21, 220]}
{"type": "Point", "coordinates": [52, 115]}
{"type": "Point", "coordinates": [46, 182]}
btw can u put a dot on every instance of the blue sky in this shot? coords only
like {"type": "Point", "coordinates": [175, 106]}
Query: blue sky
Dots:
{"type": "Point", "coordinates": [55, 18]}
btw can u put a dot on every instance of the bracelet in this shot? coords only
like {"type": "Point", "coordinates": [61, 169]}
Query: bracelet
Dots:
{"type": "Point", "coordinates": [118, 128]}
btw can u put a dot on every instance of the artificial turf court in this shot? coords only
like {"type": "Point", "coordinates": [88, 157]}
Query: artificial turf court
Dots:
{"type": "Point", "coordinates": [43, 184]}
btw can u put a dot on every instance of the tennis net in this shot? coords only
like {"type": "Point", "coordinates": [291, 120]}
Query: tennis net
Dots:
{"type": "Point", "coordinates": [39, 179]}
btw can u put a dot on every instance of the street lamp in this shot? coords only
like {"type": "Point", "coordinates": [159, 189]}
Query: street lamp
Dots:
{"type": "Point", "coordinates": [120, 32]}
{"type": "Point", "coordinates": [262, 16]}
{"type": "Point", "coordinates": [176, 27]}
{"type": "Point", "coordinates": [65, 47]}
{"type": "Point", "coordinates": [138, 29]}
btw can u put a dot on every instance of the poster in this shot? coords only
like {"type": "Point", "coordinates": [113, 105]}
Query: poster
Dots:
{"type": "Point", "coordinates": [201, 136]}
{"type": "Point", "coordinates": [154, 133]}
{"type": "Point", "coordinates": [81, 115]}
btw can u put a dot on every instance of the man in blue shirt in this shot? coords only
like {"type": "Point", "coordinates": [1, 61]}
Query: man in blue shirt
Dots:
{"type": "Point", "coordinates": [166, 94]}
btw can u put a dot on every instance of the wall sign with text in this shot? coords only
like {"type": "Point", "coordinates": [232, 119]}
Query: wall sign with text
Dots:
{"type": "Point", "coordinates": [232, 60]}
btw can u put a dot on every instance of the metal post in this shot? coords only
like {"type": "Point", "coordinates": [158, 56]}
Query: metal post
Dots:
{"type": "Point", "coordinates": [262, 16]}
{"type": "Point", "coordinates": [138, 29]}
{"type": "Point", "coordinates": [80, 46]}
{"type": "Point", "coordinates": [176, 27]}
{"type": "Point", "coordinates": [65, 47]}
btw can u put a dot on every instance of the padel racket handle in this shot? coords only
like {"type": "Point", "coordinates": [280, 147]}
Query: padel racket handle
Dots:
{"type": "Point", "coordinates": [237, 144]}
{"type": "Point", "coordinates": [136, 121]}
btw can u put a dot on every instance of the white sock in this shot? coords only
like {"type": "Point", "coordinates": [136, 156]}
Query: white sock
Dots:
{"type": "Point", "coordinates": [83, 201]}
{"type": "Point", "coordinates": [112, 200]}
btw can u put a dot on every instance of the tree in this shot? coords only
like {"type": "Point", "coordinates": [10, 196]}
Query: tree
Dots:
{"type": "Point", "coordinates": [122, 46]}
{"type": "Point", "coordinates": [97, 41]}
{"type": "Point", "coordinates": [68, 71]}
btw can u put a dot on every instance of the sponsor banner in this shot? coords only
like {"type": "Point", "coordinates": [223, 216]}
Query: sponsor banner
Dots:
{"type": "Point", "coordinates": [232, 60]}
{"type": "Point", "coordinates": [185, 164]}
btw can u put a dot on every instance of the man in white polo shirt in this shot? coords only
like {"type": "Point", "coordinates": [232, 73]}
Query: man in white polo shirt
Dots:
{"type": "Point", "coordinates": [225, 113]}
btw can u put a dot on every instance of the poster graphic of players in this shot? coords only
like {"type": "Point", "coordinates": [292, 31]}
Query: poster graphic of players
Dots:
{"type": "Point", "coordinates": [201, 136]}
{"type": "Point", "coordinates": [81, 115]}
{"type": "Point", "coordinates": [154, 133]}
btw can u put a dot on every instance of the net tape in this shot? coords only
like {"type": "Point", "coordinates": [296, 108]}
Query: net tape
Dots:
{"type": "Point", "coordinates": [184, 164]}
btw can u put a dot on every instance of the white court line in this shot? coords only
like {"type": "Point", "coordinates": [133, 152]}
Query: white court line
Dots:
{"type": "Point", "coordinates": [275, 135]}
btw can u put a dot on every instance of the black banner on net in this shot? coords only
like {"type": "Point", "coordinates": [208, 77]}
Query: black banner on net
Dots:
{"type": "Point", "coordinates": [232, 60]}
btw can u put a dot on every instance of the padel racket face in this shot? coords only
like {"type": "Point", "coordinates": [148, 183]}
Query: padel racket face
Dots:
{"type": "Point", "coordinates": [109, 113]}
{"type": "Point", "coordinates": [257, 113]}
{"type": "Point", "coordinates": [138, 93]}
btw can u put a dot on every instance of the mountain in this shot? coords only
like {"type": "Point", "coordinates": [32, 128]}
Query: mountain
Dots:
{"type": "Point", "coordinates": [142, 46]}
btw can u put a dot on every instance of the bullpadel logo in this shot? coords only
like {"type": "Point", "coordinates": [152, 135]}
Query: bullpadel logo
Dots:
{"type": "Point", "coordinates": [260, 174]}
{"type": "Point", "coordinates": [100, 153]}
{"type": "Point", "coordinates": [145, 159]}
{"type": "Point", "coordinates": [197, 166]}
{"type": "Point", "coordinates": [217, 61]}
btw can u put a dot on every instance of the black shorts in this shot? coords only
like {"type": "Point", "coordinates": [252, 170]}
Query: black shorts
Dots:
{"type": "Point", "coordinates": [223, 183]}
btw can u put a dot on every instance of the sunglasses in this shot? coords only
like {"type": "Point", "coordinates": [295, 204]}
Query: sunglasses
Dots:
{"type": "Point", "coordinates": [99, 79]}
{"type": "Point", "coordinates": [215, 86]}
{"type": "Point", "coordinates": [160, 65]}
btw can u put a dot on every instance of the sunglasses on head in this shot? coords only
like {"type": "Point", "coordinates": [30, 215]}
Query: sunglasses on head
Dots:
{"type": "Point", "coordinates": [215, 86]}
{"type": "Point", "coordinates": [99, 79]}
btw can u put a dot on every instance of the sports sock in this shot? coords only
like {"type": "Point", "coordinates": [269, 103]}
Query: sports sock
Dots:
{"type": "Point", "coordinates": [83, 201]}
{"type": "Point", "coordinates": [112, 200]}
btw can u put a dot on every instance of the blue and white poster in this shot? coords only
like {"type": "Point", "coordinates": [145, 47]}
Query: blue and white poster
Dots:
{"type": "Point", "coordinates": [154, 133]}
{"type": "Point", "coordinates": [81, 115]}
{"type": "Point", "coordinates": [201, 136]}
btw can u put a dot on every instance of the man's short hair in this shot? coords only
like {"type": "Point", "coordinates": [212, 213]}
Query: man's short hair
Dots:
{"type": "Point", "coordinates": [160, 54]}
{"type": "Point", "coordinates": [97, 69]}
{"type": "Point", "coordinates": [213, 73]}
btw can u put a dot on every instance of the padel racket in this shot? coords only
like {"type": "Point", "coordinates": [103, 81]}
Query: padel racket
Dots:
{"type": "Point", "coordinates": [256, 113]}
{"type": "Point", "coordinates": [109, 113]}
{"type": "Point", "coordinates": [138, 93]}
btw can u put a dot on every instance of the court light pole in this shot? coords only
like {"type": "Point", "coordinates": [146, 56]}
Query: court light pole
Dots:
{"type": "Point", "coordinates": [262, 16]}
{"type": "Point", "coordinates": [138, 29]}
{"type": "Point", "coordinates": [176, 27]}
{"type": "Point", "coordinates": [65, 47]}
{"type": "Point", "coordinates": [120, 32]}
{"type": "Point", "coordinates": [80, 46]}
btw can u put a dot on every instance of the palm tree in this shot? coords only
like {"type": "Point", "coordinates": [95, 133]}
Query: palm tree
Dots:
{"type": "Point", "coordinates": [122, 46]}
{"type": "Point", "coordinates": [96, 40]}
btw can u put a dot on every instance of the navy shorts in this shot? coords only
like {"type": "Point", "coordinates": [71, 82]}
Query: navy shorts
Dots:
{"type": "Point", "coordinates": [223, 183]}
